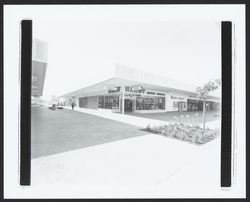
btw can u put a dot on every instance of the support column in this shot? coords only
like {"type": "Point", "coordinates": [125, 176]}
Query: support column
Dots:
{"type": "Point", "coordinates": [123, 100]}
{"type": "Point", "coordinates": [77, 102]}
{"type": "Point", "coordinates": [104, 106]}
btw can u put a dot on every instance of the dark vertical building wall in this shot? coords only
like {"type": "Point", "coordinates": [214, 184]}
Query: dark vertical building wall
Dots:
{"type": "Point", "coordinates": [83, 102]}
{"type": "Point", "coordinates": [39, 66]}
{"type": "Point", "coordinates": [38, 77]}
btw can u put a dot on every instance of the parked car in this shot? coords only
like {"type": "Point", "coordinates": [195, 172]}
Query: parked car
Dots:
{"type": "Point", "coordinates": [53, 107]}
{"type": "Point", "coordinates": [59, 107]}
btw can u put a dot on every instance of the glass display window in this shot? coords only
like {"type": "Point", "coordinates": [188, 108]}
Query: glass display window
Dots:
{"type": "Point", "coordinates": [150, 103]}
{"type": "Point", "coordinates": [160, 103]}
{"type": "Point", "coordinates": [108, 102]}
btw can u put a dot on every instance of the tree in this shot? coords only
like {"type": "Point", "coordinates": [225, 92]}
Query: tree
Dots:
{"type": "Point", "coordinates": [202, 93]}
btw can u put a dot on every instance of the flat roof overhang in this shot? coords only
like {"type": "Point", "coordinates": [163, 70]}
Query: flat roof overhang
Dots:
{"type": "Point", "coordinates": [102, 88]}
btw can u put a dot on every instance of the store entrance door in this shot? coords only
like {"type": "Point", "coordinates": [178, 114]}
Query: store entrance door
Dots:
{"type": "Point", "coordinates": [181, 106]}
{"type": "Point", "coordinates": [128, 105]}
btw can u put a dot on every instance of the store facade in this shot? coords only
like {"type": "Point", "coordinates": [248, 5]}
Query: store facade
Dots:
{"type": "Point", "coordinates": [138, 93]}
{"type": "Point", "coordinates": [133, 99]}
{"type": "Point", "coordinates": [128, 100]}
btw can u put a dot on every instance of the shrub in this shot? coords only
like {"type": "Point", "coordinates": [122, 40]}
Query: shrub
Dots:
{"type": "Point", "coordinates": [190, 133]}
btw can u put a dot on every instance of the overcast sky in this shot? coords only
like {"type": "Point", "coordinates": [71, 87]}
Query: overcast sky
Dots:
{"type": "Point", "coordinates": [82, 53]}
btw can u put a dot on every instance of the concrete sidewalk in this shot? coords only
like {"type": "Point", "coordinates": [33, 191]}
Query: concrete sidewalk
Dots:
{"type": "Point", "coordinates": [149, 165]}
{"type": "Point", "coordinates": [134, 120]}
{"type": "Point", "coordinates": [124, 168]}
{"type": "Point", "coordinates": [140, 161]}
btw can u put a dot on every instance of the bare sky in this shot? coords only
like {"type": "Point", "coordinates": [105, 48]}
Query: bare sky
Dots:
{"type": "Point", "coordinates": [81, 53]}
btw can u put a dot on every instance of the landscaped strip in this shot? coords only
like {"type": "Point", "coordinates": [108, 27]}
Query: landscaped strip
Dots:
{"type": "Point", "coordinates": [185, 132]}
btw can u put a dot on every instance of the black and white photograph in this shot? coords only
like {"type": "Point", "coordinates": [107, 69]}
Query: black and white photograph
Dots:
{"type": "Point", "coordinates": [125, 101]}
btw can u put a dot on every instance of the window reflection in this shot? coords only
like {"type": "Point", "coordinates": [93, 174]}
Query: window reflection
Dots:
{"type": "Point", "coordinates": [108, 102]}
{"type": "Point", "coordinates": [150, 103]}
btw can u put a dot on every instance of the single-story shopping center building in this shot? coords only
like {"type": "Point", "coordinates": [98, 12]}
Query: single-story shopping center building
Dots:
{"type": "Point", "coordinates": [135, 91]}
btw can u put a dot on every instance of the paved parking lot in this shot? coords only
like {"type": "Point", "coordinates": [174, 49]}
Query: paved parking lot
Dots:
{"type": "Point", "coordinates": [147, 160]}
{"type": "Point", "coordinates": [65, 130]}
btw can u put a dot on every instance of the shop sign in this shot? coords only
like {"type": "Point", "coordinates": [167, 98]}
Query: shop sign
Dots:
{"type": "Point", "coordinates": [114, 90]}
{"type": "Point", "coordinates": [137, 89]}
{"type": "Point", "coordinates": [132, 96]}
{"type": "Point", "coordinates": [176, 98]}
{"type": "Point", "coordinates": [161, 94]}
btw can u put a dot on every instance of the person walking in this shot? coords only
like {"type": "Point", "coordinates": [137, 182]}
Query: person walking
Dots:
{"type": "Point", "coordinates": [72, 105]}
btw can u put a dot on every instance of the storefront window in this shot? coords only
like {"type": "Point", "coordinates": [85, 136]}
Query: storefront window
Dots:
{"type": "Point", "coordinates": [145, 104]}
{"type": "Point", "coordinates": [101, 102]}
{"type": "Point", "coordinates": [150, 103]}
{"type": "Point", "coordinates": [160, 103]}
{"type": "Point", "coordinates": [138, 103]}
{"type": "Point", "coordinates": [114, 102]}
{"type": "Point", "coordinates": [194, 105]}
{"type": "Point", "coordinates": [108, 102]}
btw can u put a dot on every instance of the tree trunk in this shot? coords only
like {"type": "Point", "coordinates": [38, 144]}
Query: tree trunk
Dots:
{"type": "Point", "coordinates": [204, 114]}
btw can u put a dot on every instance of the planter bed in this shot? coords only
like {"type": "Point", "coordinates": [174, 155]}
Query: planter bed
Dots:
{"type": "Point", "coordinates": [189, 133]}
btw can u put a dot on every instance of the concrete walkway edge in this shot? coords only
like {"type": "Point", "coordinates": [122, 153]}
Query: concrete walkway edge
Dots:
{"type": "Point", "coordinates": [134, 120]}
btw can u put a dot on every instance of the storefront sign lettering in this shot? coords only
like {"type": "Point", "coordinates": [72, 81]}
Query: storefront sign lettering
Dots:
{"type": "Point", "coordinates": [176, 98]}
{"type": "Point", "coordinates": [114, 90]}
{"type": "Point", "coordinates": [137, 89]}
